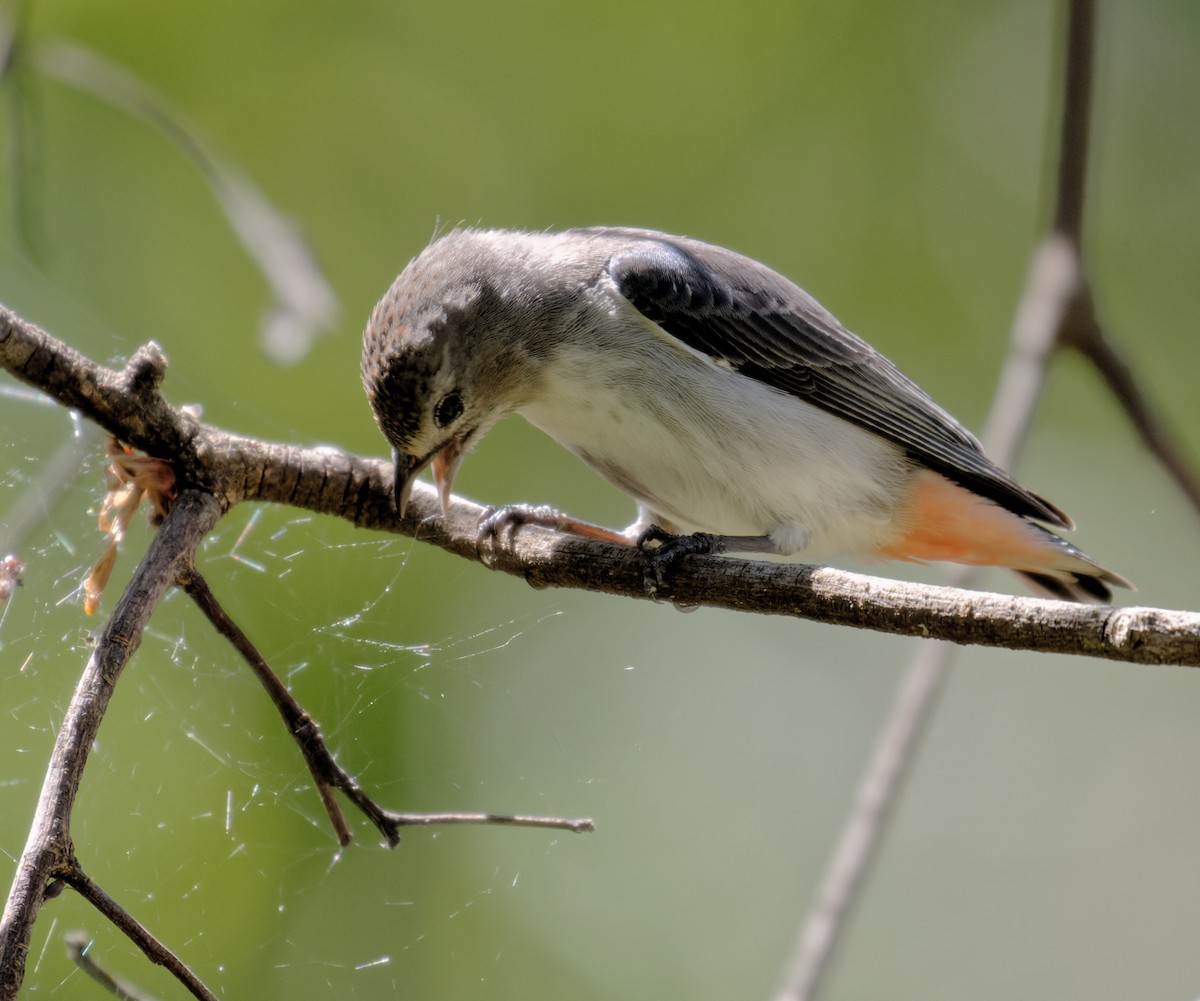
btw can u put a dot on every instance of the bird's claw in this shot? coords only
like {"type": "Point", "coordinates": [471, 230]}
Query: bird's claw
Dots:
{"type": "Point", "coordinates": [498, 523]}
{"type": "Point", "coordinates": [661, 549]}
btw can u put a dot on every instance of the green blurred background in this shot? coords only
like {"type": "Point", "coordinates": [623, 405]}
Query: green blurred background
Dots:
{"type": "Point", "coordinates": [891, 158]}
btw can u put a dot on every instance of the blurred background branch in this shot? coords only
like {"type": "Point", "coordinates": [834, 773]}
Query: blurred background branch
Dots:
{"type": "Point", "coordinates": [1055, 311]}
{"type": "Point", "coordinates": [304, 304]}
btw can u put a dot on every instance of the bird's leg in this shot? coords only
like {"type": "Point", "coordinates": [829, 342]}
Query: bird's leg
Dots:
{"type": "Point", "coordinates": [660, 547]}
{"type": "Point", "coordinates": [506, 520]}
{"type": "Point", "coordinates": [663, 548]}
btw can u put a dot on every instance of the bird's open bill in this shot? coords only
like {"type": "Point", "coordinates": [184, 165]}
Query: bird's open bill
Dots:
{"type": "Point", "coordinates": [445, 466]}
{"type": "Point", "coordinates": [445, 463]}
{"type": "Point", "coordinates": [408, 468]}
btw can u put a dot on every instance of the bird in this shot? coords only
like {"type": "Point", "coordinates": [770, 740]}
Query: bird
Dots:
{"type": "Point", "coordinates": [735, 410]}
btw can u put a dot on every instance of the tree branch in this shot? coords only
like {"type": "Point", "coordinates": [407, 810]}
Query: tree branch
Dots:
{"type": "Point", "coordinates": [1088, 338]}
{"type": "Point", "coordinates": [1082, 330]}
{"type": "Point", "coordinates": [49, 853]}
{"type": "Point", "coordinates": [79, 949]}
{"type": "Point", "coordinates": [1075, 123]}
{"type": "Point", "coordinates": [235, 469]}
{"type": "Point", "coordinates": [1056, 310]}
{"type": "Point", "coordinates": [327, 774]}
{"type": "Point", "coordinates": [137, 933]}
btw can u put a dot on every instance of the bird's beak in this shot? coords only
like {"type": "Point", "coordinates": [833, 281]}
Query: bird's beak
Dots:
{"type": "Point", "coordinates": [445, 463]}
{"type": "Point", "coordinates": [408, 468]}
{"type": "Point", "coordinates": [445, 466]}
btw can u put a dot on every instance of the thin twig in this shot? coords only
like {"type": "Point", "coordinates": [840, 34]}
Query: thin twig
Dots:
{"type": "Point", "coordinates": [1075, 120]}
{"type": "Point", "coordinates": [305, 304]}
{"type": "Point", "coordinates": [918, 693]}
{"type": "Point", "coordinates": [878, 789]}
{"type": "Point", "coordinates": [1084, 332]}
{"type": "Point", "coordinates": [326, 772]}
{"type": "Point", "coordinates": [577, 825]}
{"type": "Point", "coordinates": [81, 953]}
{"type": "Point", "coordinates": [1141, 412]}
{"type": "Point", "coordinates": [137, 933]}
{"type": "Point", "coordinates": [1041, 315]}
{"type": "Point", "coordinates": [1046, 309]}
{"type": "Point", "coordinates": [1051, 285]}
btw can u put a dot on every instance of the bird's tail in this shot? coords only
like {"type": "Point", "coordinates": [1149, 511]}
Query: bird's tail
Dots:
{"type": "Point", "coordinates": [940, 520]}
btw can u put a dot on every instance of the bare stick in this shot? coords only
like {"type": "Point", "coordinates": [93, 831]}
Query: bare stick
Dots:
{"type": "Point", "coordinates": [326, 772]}
{"type": "Point", "coordinates": [858, 842]}
{"type": "Point", "coordinates": [580, 825]}
{"type": "Point", "coordinates": [1084, 332]}
{"type": "Point", "coordinates": [1052, 290]}
{"type": "Point", "coordinates": [49, 853]}
{"type": "Point", "coordinates": [1076, 119]}
{"type": "Point", "coordinates": [913, 706]}
{"type": "Point", "coordinates": [79, 949]}
{"type": "Point", "coordinates": [137, 933]}
{"type": "Point", "coordinates": [1147, 422]}
{"type": "Point", "coordinates": [305, 304]}
{"type": "Point", "coordinates": [327, 481]}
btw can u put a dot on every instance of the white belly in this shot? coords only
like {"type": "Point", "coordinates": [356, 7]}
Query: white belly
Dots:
{"type": "Point", "coordinates": [710, 450]}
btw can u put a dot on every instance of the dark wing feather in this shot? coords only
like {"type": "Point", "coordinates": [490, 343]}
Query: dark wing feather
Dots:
{"type": "Point", "coordinates": [741, 313]}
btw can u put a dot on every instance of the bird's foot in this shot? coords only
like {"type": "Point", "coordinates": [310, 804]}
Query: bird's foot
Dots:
{"type": "Point", "coordinates": [500, 524]}
{"type": "Point", "coordinates": [661, 549]}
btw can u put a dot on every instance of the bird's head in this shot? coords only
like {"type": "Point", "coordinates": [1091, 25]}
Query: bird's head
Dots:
{"type": "Point", "coordinates": [442, 362]}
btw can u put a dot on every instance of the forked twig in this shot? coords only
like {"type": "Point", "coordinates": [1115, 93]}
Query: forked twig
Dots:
{"type": "Point", "coordinates": [48, 860]}
{"type": "Point", "coordinates": [1147, 422]}
{"type": "Point", "coordinates": [1056, 310]}
{"type": "Point", "coordinates": [326, 772]}
{"type": "Point", "coordinates": [1082, 329]}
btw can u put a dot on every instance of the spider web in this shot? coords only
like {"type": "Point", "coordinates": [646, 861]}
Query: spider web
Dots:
{"type": "Point", "coordinates": [192, 775]}
{"type": "Point", "coordinates": [438, 685]}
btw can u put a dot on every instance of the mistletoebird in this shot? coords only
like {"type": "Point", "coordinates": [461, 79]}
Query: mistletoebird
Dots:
{"type": "Point", "coordinates": [722, 397]}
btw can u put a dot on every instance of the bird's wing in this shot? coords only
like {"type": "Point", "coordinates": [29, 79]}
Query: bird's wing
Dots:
{"type": "Point", "coordinates": [744, 315]}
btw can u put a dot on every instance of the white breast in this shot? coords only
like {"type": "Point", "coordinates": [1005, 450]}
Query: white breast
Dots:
{"type": "Point", "coordinates": [711, 450]}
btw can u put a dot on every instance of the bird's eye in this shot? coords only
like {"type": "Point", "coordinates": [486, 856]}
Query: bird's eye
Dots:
{"type": "Point", "coordinates": [448, 409]}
